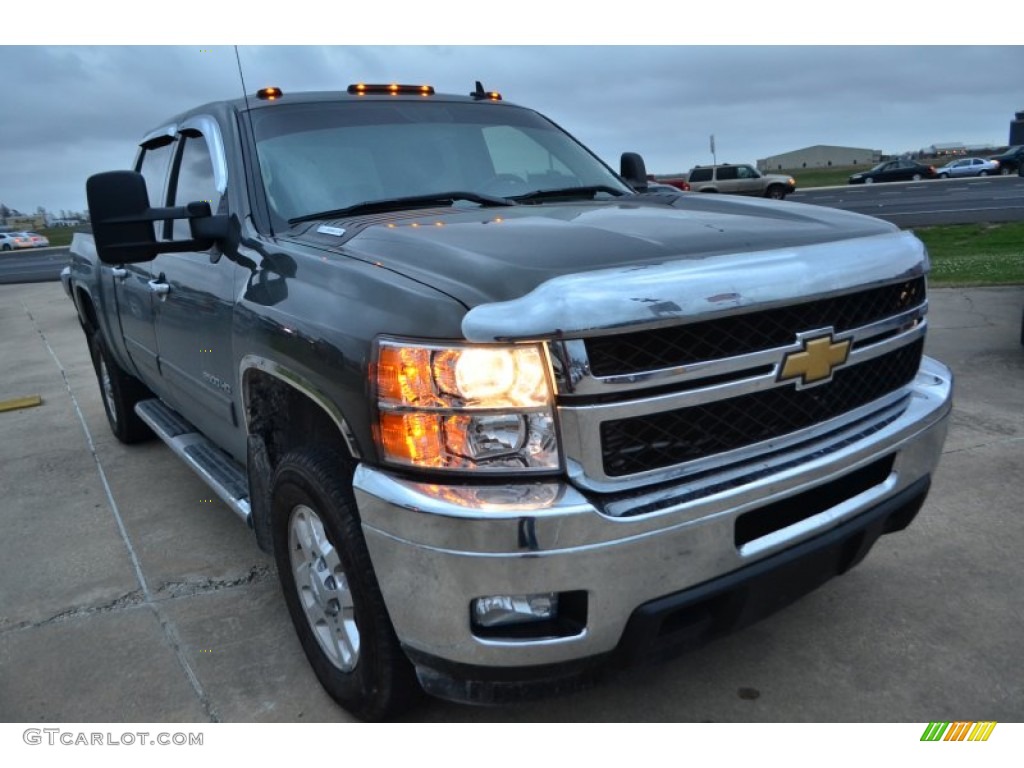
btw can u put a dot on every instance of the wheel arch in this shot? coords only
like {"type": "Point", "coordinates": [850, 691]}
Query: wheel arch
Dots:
{"type": "Point", "coordinates": [283, 412]}
{"type": "Point", "coordinates": [87, 316]}
{"type": "Point", "coordinates": [271, 390]}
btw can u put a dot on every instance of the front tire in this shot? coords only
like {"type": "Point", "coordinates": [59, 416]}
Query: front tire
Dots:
{"type": "Point", "coordinates": [119, 392]}
{"type": "Point", "coordinates": [331, 590]}
{"type": "Point", "coordinates": [776, 192]}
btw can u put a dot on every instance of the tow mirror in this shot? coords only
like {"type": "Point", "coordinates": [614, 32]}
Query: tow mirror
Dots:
{"type": "Point", "coordinates": [633, 169]}
{"type": "Point", "coordinates": [122, 221]}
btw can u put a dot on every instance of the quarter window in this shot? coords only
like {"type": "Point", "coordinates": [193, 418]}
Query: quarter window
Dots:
{"type": "Point", "coordinates": [153, 165]}
{"type": "Point", "coordinates": [195, 181]}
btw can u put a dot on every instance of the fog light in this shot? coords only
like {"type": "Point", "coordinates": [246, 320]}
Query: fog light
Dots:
{"type": "Point", "coordinates": [502, 610]}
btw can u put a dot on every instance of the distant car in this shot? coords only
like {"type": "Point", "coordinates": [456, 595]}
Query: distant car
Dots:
{"type": "Point", "coordinates": [895, 170]}
{"type": "Point", "coordinates": [10, 241]}
{"type": "Point", "coordinates": [660, 189]}
{"type": "Point", "coordinates": [36, 241]}
{"type": "Point", "coordinates": [733, 179]}
{"type": "Point", "coordinates": [681, 184]}
{"type": "Point", "coordinates": [1010, 160]}
{"type": "Point", "coordinates": [969, 166]}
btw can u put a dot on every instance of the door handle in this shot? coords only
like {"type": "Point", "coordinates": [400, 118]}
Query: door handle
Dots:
{"type": "Point", "coordinates": [119, 273]}
{"type": "Point", "coordinates": [159, 288]}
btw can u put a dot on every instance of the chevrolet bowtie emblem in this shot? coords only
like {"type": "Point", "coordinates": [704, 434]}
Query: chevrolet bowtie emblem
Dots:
{"type": "Point", "coordinates": [814, 364]}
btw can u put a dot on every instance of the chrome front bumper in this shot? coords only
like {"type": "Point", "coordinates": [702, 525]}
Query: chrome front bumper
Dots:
{"type": "Point", "coordinates": [436, 548]}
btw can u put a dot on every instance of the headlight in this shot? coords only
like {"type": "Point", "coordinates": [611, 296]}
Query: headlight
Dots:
{"type": "Point", "coordinates": [465, 407]}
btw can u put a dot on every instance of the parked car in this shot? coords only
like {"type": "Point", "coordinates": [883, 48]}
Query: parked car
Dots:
{"type": "Point", "coordinates": [669, 192]}
{"type": "Point", "coordinates": [1010, 160]}
{"type": "Point", "coordinates": [681, 184]}
{"type": "Point", "coordinates": [895, 170]}
{"type": "Point", "coordinates": [10, 241]}
{"type": "Point", "coordinates": [740, 180]}
{"type": "Point", "coordinates": [969, 166]}
{"type": "Point", "coordinates": [36, 241]}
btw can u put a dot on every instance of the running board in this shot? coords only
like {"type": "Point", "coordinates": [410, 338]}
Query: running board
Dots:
{"type": "Point", "coordinates": [221, 472]}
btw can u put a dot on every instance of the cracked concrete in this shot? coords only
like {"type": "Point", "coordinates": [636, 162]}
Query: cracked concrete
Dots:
{"type": "Point", "coordinates": [130, 598]}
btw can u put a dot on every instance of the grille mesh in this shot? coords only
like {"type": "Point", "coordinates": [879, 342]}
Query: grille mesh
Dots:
{"type": "Point", "coordinates": [742, 334]}
{"type": "Point", "coordinates": [643, 443]}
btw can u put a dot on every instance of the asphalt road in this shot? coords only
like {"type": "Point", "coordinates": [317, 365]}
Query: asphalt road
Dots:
{"type": "Point", "coordinates": [927, 203]}
{"type": "Point", "coordinates": [127, 595]}
{"type": "Point", "coordinates": [32, 266]}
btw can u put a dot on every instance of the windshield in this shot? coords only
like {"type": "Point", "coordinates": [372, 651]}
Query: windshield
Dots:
{"type": "Point", "coordinates": [328, 156]}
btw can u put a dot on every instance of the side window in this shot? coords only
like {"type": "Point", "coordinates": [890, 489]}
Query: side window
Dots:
{"type": "Point", "coordinates": [746, 172]}
{"type": "Point", "coordinates": [700, 174]}
{"type": "Point", "coordinates": [195, 181]}
{"type": "Point", "coordinates": [153, 166]}
{"type": "Point", "coordinates": [727, 173]}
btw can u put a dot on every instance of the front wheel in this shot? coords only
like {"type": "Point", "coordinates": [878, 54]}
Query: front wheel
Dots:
{"type": "Point", "coordinates": [330, 587]}
{"type": "Point", "coordinates": [869, 180]}
{"type": "Point", "coordinates": [776, 192]}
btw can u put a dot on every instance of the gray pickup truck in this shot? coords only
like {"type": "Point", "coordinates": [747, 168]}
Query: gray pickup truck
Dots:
{"type": "Point", "coordinates": [503, 418]}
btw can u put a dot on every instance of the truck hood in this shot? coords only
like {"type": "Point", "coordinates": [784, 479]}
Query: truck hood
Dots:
{"type": "Point", "coordinates": [482, 256]}
{"type": "Point", "coordinates": [555, 269]}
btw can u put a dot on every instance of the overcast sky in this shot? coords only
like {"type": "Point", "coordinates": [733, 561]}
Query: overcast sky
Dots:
{"type": "Point", "coordinates": [69, 111]}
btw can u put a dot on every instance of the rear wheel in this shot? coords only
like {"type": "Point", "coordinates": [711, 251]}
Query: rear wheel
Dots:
{"type": "Point", "coordinates": [120, 392]}
{"type": "Point", "coordinates": [331, 590]}
{"type": "Point", "coordinates": [916, 177]}
{"type": "Point", "coordinates": [983, 173]}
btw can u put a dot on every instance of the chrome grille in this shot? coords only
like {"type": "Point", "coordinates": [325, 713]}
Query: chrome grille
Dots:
{"type": "Point", "coordinates": [658, 416]}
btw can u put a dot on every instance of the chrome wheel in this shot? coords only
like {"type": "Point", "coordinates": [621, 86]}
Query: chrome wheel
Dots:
{"type": "Point", "coordinates": [323, 588]}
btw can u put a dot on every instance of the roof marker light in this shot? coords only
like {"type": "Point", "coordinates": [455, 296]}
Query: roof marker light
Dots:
{"type": "Point", "coordinates": [390, 89]}
{"type": "Point", "coordinates": [479, 93]}
{"type": "Point", "coordinates": [269, 94]}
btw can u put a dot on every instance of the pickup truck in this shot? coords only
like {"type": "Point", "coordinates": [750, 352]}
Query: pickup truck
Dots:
{"type": "Point", "coordinates": [503, 419]}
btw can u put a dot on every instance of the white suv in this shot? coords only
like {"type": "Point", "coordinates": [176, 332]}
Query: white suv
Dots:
{"type": "Point", "coordinates": [740, 180]}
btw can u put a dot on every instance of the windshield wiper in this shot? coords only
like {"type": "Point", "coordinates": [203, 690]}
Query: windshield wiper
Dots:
{"type": "Point", "coordinates": [585, 192]}
{"type": "Point", "coordinates": [402, 203]}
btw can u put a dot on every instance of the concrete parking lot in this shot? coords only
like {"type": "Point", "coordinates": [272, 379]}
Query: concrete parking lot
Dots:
{"type": "Point", "coordinates": [129, 594]}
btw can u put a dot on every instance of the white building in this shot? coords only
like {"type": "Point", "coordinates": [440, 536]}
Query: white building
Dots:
{"type": "Point", "coordinates": [820, 156]}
